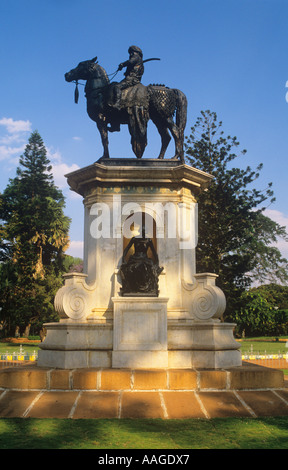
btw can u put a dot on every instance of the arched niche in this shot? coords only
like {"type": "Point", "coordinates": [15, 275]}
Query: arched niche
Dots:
{"type": "Point", "coordinates": [135, 225]}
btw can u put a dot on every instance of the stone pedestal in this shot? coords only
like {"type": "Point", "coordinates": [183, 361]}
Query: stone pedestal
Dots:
{"type": "Point", "coordinates": [203, 341]}
{"type": "Point", "coordinates": [74, 345]}
{"type": "Point", "coordinates": [204, 345]}
{"type": "Point", "coordinates": [100, 328]}
{"type": "Point", "coordinates": [140, 333]}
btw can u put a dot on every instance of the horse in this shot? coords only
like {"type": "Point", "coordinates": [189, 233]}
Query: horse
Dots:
{"type": "Point", "coordinates": [139, 103]}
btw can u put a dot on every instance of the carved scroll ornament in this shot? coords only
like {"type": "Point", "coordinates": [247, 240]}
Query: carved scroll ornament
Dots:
{"type": "Point", "coordinates": [75, 299]}
{"type": "Point", "coordinates": [207, 300]}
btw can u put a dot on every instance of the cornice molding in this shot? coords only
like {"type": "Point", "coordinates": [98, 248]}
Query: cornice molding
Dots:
{"type": "Point", "coordinates": [139, 173]}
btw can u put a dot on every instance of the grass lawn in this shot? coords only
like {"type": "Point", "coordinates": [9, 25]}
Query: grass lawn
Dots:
{"type": "Point", "coordinates": [264, 345]}
{"type": "Point", "coordinates": [15, 347]}
{"type": "Point", "coordinates": [224, 433]}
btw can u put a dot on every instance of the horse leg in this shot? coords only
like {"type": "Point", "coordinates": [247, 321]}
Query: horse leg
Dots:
{"type": "Point", "coordinates": [179, 154]}
{"type": "Point", "coordinates": [102, 127]}
{"type": "Point", "coordinates": [165, 139]}
{"type": "Point", "coordinates": [165, 136]}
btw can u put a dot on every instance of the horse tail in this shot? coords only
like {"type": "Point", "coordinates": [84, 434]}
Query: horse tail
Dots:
{"type": "Point", "coordinates": [181, 111]}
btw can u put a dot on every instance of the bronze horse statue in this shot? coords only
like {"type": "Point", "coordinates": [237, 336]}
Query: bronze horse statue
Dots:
{"type": "Point", "coordinates": [139, 103]}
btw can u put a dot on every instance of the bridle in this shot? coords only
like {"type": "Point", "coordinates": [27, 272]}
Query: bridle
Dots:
{"type": "Point", "coordinates": [76, 92]}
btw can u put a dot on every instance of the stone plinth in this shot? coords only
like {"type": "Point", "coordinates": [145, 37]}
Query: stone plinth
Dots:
{"type": "Point", "coordinates": [140, 332]}
{"type": "Point", "coordinates": [100, 328]}
{"type": "Point", "coordinates": [207, 345]}
{"type": "Point", "coordinates": [70, 345]}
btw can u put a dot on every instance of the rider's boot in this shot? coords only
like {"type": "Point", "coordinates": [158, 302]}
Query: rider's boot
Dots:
{"type": "Point", "coordinates": [117, 98]}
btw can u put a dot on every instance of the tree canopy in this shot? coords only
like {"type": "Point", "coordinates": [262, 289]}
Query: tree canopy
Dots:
{"type": "Point", "coordinates": [34, 237]}
{"type": "Point", "coordinates": [236, 239]}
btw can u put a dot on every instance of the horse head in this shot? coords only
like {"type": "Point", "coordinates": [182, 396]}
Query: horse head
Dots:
{"type": "Point", "coordinates": [83, 71]}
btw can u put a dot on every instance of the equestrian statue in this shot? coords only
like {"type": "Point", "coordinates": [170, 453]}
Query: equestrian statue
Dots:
{"type": "Point", "coordinates": [130, 102]}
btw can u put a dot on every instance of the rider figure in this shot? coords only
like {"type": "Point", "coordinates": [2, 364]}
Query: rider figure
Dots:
{"type": "Point", "coordinates": [133, 74]}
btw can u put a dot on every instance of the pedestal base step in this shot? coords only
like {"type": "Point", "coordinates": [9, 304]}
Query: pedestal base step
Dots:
{"type": "Point", "coordinates": [246, 377]}
{"type": "Point", "coordinates": [172, 359]}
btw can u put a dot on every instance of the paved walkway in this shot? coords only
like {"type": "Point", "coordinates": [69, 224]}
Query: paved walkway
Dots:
{"type": "Point", "coordinates": [150, 404]}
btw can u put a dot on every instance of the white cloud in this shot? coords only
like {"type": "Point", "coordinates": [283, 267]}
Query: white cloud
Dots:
{"type": "Point", "coordinates": [75, 249]}
{"type": "Point", "coordinates": [9, 139]}
{"type": "Point", "coordinates": [282, 220]}
{"type": "Point", "coordinates": [54, 156]}
{"type": "Point", "coordinates": [59, 171]}
{"type": "Point", "coordinates": [16, 134]}
{"type": "Point", "coordinates": [13, 141]}
{"type": "Point", "coordinates": [8, 152]}
{"type": "Point", "coordinates": [278, 217]}
{"type": "Point", "coordinates": [14, 127]}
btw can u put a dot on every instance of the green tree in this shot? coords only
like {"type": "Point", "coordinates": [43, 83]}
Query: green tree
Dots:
{"type": "Point", "coordinates": [32, 208]}
{"type": "Point", "coordinates": [275, 294]}
{"type": "Point", "coordinates": [34, 236]}
{"type": "Point", "coordinates": [259, 313]}
{"type": "Point", "coordinates": [269, 266]}
{"type": "Point", "coordinates": [234, 236]}
{"type": "Point", "coordinates": [71, 264]}
{"type": "Point", "coordinates": [256, 316]}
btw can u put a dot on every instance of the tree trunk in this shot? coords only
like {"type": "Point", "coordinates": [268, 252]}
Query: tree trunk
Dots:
{"type": "Point", "coordinates": [43, 333]}
{"type": "Point", "coordinates": [27, 330]}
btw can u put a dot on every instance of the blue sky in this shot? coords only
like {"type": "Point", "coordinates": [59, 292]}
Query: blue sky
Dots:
{"type": "Point", "coordinates": [229, 56]}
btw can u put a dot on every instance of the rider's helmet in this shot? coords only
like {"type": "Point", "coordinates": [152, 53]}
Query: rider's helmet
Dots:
{"type": "Point", "coordinates": [135, 49]}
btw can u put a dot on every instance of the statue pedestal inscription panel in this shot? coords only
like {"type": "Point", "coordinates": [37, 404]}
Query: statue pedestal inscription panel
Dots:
{"type": "Point", "coordinates": [140, 332]}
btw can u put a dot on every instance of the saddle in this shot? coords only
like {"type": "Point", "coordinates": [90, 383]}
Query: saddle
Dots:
{"type": "Point", "coordinates": [127, 98]}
